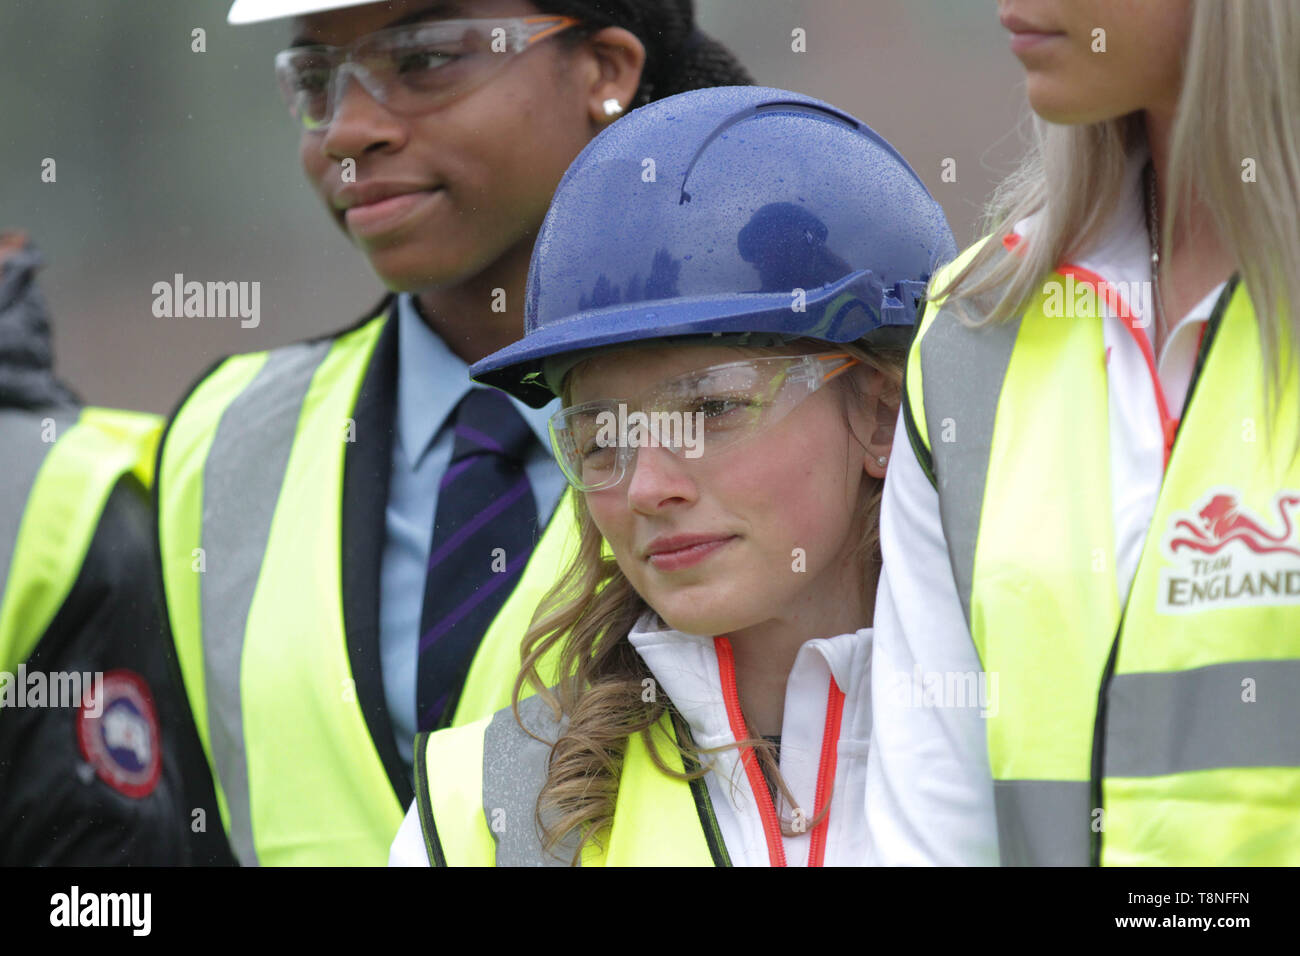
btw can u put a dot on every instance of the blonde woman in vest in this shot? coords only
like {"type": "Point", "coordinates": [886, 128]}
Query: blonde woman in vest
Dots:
{"type": "Point", "coordinates": [714, 621]}
{"type": "Point", "coordinates": [1090, 520]}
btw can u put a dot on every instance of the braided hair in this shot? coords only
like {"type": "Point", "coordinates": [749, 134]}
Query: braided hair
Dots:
{"type": "Point", "coordinates": [679, 56]}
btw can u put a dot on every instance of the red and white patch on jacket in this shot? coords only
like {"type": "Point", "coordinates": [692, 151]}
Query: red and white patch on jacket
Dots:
{"type": "Point", "coordinates": [117, 728]}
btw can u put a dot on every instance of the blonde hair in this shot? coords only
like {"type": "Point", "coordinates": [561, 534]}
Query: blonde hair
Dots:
{"type": "Point", "coordinates": [1240, 100]}
{"type": "Point", "coordinates": [588, 614]}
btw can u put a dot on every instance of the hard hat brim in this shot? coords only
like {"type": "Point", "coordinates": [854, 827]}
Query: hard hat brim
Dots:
{"type": "Point", "coordinates": [519, 368]}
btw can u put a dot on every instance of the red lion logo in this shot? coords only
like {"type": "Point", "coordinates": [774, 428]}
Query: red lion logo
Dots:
{"type": "Point", "coordinates": [1222, 520]}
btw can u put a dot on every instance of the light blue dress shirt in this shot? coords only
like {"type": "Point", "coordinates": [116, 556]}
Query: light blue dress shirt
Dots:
{"type": "Point", "coordinates": [431, 381]}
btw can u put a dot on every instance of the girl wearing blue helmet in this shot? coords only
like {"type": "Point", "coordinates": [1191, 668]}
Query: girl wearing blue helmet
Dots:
{"type": "Point", "coordinates": [720, 295]}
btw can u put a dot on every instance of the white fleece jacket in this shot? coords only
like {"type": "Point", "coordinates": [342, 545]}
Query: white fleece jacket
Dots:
{"type": "Point", "coordinates": [687, 669]}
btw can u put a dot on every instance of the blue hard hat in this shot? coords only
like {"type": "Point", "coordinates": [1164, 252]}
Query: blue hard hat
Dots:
{"type": "Point", "coordinates": [722, 211]}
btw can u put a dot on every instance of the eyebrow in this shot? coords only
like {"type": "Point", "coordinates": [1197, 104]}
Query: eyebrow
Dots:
{"type": "Point", "coordinates": [441, 10]}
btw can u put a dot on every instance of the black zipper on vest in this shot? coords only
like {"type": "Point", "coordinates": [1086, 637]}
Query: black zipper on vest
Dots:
{"type": "Point", "coordinates": [1099, 747]}
{"type": "Point", "coordinates": [1099, 720]}
{"type": "Point", "coordinates": [424, 804]}
{"type": "Point", "coordinates": [703, 805]}
{"type": "Point", "coordinates": [709, 822]}
{"type": "Point", "coordinates": [923, 455]}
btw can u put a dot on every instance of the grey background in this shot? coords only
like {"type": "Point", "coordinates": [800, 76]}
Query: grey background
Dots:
{"type": "Point", "coordinates": [174, 161]}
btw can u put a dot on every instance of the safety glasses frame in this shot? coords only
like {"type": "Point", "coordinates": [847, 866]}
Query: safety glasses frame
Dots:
{"type": "Point", "coordinates": [804, 373]}
{"type": "Point", "coordinates": [364, 57]}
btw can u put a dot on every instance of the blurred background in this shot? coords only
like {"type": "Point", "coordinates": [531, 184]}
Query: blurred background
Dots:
{"type": "Point", "coordinates": [174, 161]}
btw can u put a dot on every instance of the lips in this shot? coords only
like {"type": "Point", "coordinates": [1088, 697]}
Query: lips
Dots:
{"type": "Point", "coordinates": [373, 191]}
{"type": "Point", "coordinates": [682, 551]}
{"type": "Point", "coordinates": [1016, 24]}
{"type": "Point", "coordinates": [1025, 35]}
{"type": "Point", "coordinates": [1022, 42]}
{"type": "Point", "coordinates": [374, 208]}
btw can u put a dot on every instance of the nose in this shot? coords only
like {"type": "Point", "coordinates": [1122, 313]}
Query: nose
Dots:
{"type": "Point", "coordinates": [360, 122]}
{"type": "Point", "coordinates": [658, 479]}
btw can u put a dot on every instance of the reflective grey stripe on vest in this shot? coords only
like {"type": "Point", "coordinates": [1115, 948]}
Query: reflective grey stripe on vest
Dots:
{"type": "Point", "coordinates": [1040, 822]}
{"type": "Point", "coordinates": [514, 770]}
{"type": "Point", "coordinates": [23, 451]}
{"type": "Point", "coordinates": [961, 372]}
{"type": "Point", "coordinates": [1043, 822]}
{"type": "Point", "coordinates": [1184, 721]}
{"type": "Point", "coordinates": [241, 485]}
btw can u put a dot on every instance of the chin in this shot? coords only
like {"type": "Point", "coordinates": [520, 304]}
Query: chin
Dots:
{"type": "Point", "coordinates": [708, 625]}
{"type": "Point", "coordinates": [1055, 105]}
{"type": "Point", "coordinates": [711, 618]}
{"type": "Point", "coordinates": [401, 271]}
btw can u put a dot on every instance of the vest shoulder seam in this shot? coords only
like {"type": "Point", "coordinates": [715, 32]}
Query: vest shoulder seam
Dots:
{"type": "Point", "coordinates": [376, 315]}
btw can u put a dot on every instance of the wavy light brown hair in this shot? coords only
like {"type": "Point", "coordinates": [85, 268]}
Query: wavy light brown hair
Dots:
{"type": "Point", "coordinates": [587, 616]}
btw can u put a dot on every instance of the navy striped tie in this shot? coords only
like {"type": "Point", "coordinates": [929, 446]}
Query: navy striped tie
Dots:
{"type": "Point", "coordinates": [485, 529]}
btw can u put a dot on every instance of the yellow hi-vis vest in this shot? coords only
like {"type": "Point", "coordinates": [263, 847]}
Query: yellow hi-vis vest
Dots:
{"type": "Point", "coordinates": [250, 487]}
{"type": "Point", "coordinates": [477, 787]}
{"type": "Point", "coordinates": [1164, 731]}
{"type": "Point", "coordinates": [59, 469]}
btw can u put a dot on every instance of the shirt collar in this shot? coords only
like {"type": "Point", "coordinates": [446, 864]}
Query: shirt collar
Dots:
{"type": "Point", "coordinates": [431, 381]}
{"type": "Point", "coordinates": [686, 667]}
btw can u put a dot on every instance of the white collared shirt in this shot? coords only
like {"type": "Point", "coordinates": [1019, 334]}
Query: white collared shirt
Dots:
{"type": "Point", "coordinates": [686, 668]}
{"type": "Point", "coordinates": [929, 787]}
{"type": "Point", "coordinates": [431, 381]}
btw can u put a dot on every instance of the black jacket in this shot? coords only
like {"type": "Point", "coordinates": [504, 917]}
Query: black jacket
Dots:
{"type": "Point", "coordinates": [60, 802]}
{"type": "Point", "coordinates": [76, 788]}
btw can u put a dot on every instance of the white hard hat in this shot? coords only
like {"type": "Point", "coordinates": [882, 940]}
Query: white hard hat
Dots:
{"type": "Point", "coordinates": [256, 11]}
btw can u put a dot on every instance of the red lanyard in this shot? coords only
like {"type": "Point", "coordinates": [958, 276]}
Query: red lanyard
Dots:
{"type": "Point", "coordinates": [1168, 424]}
{"type": "Point", "coordinates": [825, 768]}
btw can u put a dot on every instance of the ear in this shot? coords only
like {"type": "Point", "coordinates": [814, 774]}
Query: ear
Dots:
{"type": "Point", "coordinates": [880, 416]}
{"type": "Point", "coordinates": [617, 59]}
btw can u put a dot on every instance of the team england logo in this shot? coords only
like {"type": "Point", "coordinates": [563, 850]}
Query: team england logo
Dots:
{"type": "Point", "coordinates": [1225, 555]}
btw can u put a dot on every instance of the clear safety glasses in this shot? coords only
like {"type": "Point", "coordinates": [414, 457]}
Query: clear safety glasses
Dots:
{"type": "Point", "coordinates": [693, 415]}
{"type": "Point", "coordinates": [409, 69]}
